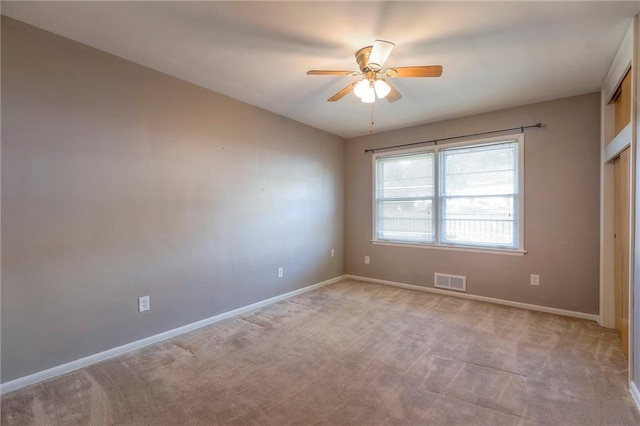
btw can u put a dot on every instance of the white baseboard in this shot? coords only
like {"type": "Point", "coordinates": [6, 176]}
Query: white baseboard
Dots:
{"type": "Point", "coordinates": [635, 393]}
{"type": "Point", "coordinates": [582, 315]}
{"type": "Point", "coordinates": [110, 353]}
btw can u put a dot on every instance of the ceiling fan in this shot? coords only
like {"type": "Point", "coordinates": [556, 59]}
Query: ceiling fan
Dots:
{"type": "Point", "coordinates": [370, 59]}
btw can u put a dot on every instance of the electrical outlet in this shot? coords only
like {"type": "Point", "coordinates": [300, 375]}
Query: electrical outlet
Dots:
{"type": "Point", "coordinates": [280, 272]}
{"type": "Point", "coordinates": [143, 304]}
{"type": "Point", "coordinates": [366, 260]}
{"type": "Point", "coordinates": [535, 279]}
{"type": "Point", "coordinates": [333, 252]}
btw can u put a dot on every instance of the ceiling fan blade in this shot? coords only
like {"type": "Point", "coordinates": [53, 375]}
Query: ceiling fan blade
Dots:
{"type": "Point", "coordinates": [342, 92]}
{"type": "Point", "coordinates": [379, 54]}
{"type": "Point", "coordinates": [419, 71]}
{"type": "Point", "coordinates": [393, 95]}
{"type": "Point", "coordinates": [331, 72]}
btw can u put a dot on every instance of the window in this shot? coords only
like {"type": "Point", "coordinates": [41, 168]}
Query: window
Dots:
{"type": "Point", "coordinates": [460, 195]}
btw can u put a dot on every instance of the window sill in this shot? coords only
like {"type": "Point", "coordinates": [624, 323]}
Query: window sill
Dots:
{"type": "Point", "coordinates": [508, 252]}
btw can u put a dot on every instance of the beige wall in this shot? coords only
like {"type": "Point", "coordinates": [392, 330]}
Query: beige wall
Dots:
{"type": "Point", "coordinates": [119, 181]}
{"type": "Point", "coordinates": [561, 210]}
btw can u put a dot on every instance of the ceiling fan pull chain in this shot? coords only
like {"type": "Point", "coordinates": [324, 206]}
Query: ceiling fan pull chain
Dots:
{"type": "Point", "coordinates": [373, 121]}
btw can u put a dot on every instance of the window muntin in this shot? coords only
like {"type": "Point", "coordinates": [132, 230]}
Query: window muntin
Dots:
{"type": "Point", "coordinates": [477, 202]}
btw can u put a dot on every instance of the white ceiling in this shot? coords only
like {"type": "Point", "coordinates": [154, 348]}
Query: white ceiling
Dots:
{"type": "Point", "coordinates": [495, 54]}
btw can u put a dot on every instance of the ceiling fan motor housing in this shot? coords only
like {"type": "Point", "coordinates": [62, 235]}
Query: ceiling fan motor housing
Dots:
{"type": "Point", "coordinates": [362, 58]}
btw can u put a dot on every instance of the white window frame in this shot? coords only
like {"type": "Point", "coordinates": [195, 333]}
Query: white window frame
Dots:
{"type": "Point", "coordinates": [519, 251]}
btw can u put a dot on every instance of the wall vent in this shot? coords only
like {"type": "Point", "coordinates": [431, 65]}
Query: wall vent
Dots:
{"type": "Point", "coordinates": [450, 282]}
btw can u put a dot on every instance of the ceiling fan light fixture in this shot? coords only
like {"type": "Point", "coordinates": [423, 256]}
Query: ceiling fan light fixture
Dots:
{"type": "Point", "coordinates": [362, 88]}
{"type": "Point", "coordinates": [369, 97]}
{"type": "Point", "coordinates": [382, 88]}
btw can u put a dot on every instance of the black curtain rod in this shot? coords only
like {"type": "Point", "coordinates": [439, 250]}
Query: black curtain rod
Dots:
{"type": "Point", "coordinates": [435, 141]}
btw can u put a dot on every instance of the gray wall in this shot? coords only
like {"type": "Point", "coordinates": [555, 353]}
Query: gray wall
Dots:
{"type": "Point", "coordinates": [561, 230]}
{"type": "Point", "coordinates": [119, 181]}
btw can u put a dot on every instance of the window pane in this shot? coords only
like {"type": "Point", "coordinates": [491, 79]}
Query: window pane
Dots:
{"type": "Point", "coordinates": [486, 221]}
{"type": "Point", "coordinates": [405, 220]}
{"type": "Point", "coordinates": [406, 176]}
{"type": "Point", "coordinates": [480, 170]}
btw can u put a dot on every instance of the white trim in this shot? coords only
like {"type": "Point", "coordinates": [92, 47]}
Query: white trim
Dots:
{"type": "Point", "coordinates": [618, 144]}
{"type": "Point", "coordinates": [521, 191]}
{"type": "Point", "coordinates": [110, 353]}
{"type": "Point", "coordinates": [488, 250]}
{"type": "Point", "coordinates": [620, 65]}
{"type": "Point", "coordinates": [635, 393]}
{"type": "Point", "coordinates": [563, 312]}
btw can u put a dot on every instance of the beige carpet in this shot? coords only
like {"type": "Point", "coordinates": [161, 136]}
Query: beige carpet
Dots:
{"type": "Point", "coordinates": [353, 354]}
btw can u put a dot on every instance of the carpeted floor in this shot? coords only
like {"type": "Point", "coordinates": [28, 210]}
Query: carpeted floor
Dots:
{"type": "Point", "coordinates": [353, 354]}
